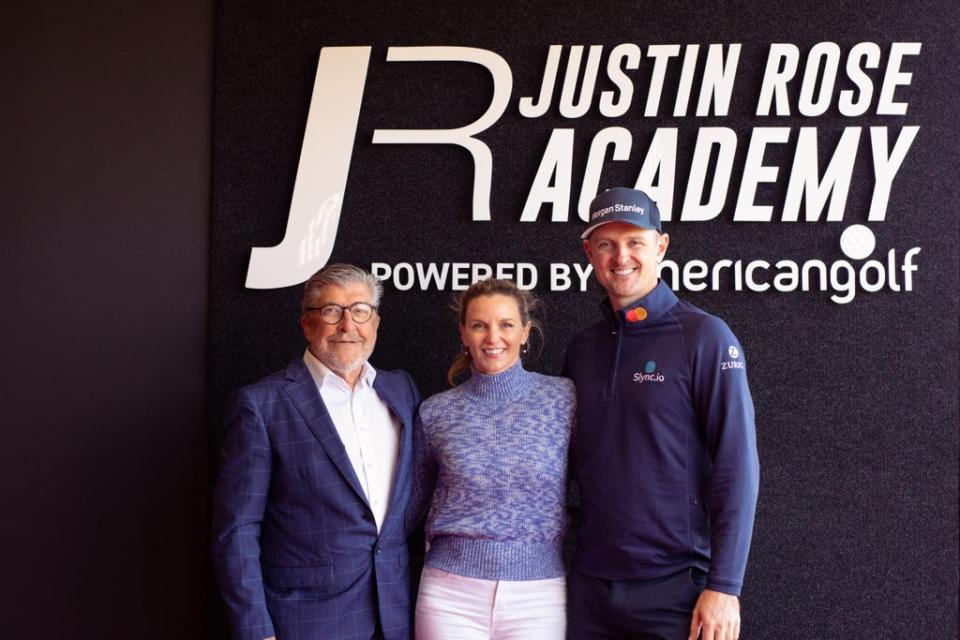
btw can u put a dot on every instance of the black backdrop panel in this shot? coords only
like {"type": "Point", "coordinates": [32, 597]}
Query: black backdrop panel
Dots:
{"type": "Point", "coordinates": [857, 411]}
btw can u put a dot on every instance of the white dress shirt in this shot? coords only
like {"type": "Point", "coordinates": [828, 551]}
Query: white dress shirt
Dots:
{"type": "Point", "coordinates": [369, 432]}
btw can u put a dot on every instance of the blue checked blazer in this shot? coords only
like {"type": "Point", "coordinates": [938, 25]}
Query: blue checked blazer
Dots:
{"type": "Point", "coordinates": [295, 545]}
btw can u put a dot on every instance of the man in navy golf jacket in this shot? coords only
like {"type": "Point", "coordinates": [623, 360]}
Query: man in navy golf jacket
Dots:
{"type": "Point", "coordinates": [665, 451]}
{"type": "Point", "coordinates": [309, 539]}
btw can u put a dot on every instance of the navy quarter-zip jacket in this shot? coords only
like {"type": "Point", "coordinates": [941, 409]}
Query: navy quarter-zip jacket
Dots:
{"type": "Point", "coordinates": [665, 450]}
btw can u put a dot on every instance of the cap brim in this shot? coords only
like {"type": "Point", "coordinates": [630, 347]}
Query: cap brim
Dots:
{"type": "Point", "coordinates": [594, 227]}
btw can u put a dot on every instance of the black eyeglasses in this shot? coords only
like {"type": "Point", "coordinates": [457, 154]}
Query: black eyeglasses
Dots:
{"type": "Point", "coordinates": [360, 312]}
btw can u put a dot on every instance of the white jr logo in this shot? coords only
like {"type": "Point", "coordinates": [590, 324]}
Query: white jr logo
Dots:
{"type": "Point", "coordinates": [328, 145]}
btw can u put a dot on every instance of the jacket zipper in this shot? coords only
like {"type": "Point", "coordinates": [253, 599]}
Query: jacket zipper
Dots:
{"type": "Point", "coordinates": [612, 386]}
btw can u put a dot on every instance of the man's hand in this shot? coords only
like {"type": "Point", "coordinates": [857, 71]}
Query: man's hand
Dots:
{"type": "Point", "coordinates": [717, 615]}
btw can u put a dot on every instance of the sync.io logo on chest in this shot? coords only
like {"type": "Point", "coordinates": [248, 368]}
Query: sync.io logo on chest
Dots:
{"type": "Point", "coordinates": [649, 374]}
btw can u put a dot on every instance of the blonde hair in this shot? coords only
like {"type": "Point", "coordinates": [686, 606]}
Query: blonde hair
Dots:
{"type": "Point", "coordinates": [527, 304]}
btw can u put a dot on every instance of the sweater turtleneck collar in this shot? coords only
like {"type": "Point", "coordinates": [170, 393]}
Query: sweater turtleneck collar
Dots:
{"type": "Point", "coordinates": [498, 387]}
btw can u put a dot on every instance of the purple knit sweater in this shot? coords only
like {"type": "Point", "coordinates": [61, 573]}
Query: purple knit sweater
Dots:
{"type": "Point", "coordinates": [493, 453]}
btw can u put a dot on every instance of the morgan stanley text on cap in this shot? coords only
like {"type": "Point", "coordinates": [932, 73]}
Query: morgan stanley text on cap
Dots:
{"type": "Point", "coordinates": [623, 205]}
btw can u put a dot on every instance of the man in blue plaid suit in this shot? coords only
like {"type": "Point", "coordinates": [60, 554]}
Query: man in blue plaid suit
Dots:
{"type": "Point", "coordinates": [309, 538]}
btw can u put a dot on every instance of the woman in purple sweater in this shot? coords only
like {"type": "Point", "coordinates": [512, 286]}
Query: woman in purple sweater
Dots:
{"type": "Point", "coordinates": [491, 465]}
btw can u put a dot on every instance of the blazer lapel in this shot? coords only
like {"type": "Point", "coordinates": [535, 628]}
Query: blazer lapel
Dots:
{"type": "Point", "coordinates": [401, 484]}
{"type": "Point", "coordinates": [306, 398]}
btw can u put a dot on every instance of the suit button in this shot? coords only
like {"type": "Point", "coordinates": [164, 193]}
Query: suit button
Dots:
{"type": "Point", "coordinates": [367, 516]}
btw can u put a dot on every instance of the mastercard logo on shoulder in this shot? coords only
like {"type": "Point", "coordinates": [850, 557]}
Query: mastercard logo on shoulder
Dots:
{"type": "Point", "coordinates": [637, 314]}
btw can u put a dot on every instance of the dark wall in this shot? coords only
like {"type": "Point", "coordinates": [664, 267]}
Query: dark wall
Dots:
{"type": "Point", "coordinates": [104, 198]}
{"type": "Point", "coordinates": [857, 412]}
{"type": "Point", "coordinates": [105, 114]}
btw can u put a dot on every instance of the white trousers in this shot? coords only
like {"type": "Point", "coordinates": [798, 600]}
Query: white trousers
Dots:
{"type": "Point", "coordinates": [454, 607]}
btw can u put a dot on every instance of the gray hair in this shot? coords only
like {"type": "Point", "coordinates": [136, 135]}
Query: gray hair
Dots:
{"type": "Point", "coordinates": [340, 275]}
